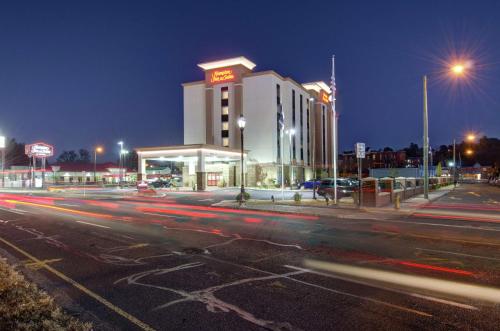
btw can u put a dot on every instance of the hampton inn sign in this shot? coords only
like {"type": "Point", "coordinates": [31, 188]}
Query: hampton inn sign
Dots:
{"type": "Point", "coordinates": [221, 76]}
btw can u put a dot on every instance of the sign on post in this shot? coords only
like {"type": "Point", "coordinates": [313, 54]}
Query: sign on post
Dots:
{"type": "Point", "coordinates": [360, 150]}
{"type": "Point", "coordinates": [39, 150]}
{"type": "Point", "coordinates": [360, 155]}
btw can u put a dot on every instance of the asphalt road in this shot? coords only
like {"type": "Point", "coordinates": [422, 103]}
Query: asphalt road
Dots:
{"type": "Point", "coordinates": [175, 263]}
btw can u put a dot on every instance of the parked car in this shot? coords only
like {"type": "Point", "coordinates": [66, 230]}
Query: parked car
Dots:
{"type": "Point", "coordinates": [345, 187]}
{"type": "Point", "coordinates": [160, 183]}
{"type": "Point", "coordinates": [309, 184]}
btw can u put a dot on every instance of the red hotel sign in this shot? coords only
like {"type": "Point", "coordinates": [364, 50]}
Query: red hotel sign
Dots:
{"type": "Point", "coordinates": [221, 76]}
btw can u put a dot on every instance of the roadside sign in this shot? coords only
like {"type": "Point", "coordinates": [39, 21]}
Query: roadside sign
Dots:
{"type": "Point", "coordinates": [39, 150]}
{"type": "Point", "coordinates": [360, 150]}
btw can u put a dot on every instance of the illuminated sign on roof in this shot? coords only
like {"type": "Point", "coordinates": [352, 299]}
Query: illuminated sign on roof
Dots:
{"type": "Point", "coordinates": [324, 97]}
{"type": "Point", "coordinates": [222, 75]}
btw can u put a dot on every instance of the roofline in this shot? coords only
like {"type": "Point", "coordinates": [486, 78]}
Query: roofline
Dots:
{"type": "Point", "coordinates": [227, 63]}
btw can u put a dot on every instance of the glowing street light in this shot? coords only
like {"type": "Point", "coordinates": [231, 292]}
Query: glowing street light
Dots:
{"type": "Point", "coordinates": [469, 151]}
{"type": "Point", "coordinates": [98, 149]}
{"type": "Point", "coordinates": [471, 137]}
{"type": "Point", "coordinates": [459, 70]}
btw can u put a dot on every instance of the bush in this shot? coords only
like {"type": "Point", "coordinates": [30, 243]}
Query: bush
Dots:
{"type": "Point", "coordinates": [297, 197]}
{"type": "Point", "coordinates": [246, 196]}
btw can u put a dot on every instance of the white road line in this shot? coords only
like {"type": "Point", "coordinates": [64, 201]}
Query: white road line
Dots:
{"type": "Point", "coordinates": [351, 280]}
{"type": "Point", "coordinates": [459, 254]}
{"type": "Point", "coordinates": [100, 226]}
{"type": "Point", "coordinates": [162, 215]}
{"type": "Point", "coordinates": [15, 211]}
{"type": "Point", "coordinates": [68, 205]}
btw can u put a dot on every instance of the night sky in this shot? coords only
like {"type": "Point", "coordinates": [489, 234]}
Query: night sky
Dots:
{"type": "Point", "coordinates": [80, 73]}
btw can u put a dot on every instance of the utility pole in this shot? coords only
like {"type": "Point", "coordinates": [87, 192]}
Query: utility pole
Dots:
{"type": "Point", "coordinates": [454, 163]}
{"type": "Point", "coordinates": [426, 142]}
{"type": "Point", "coordinates": [333, 88]}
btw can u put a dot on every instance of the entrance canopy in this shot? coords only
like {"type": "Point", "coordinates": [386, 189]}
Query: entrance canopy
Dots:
{"type": "Point", "coordinates": [194, 157]}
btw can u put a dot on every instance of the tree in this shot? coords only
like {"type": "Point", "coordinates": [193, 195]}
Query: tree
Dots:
{"type": "Point", "coordinates": [439, 170]}
{"type": "Point", "coordinates": [14, 154]}
{"type": "Point", "coordinates": [131, 160]}
{"type": "Point", "coordinates": [413, 150]}
{"type": "Point", "coordinates": [84, 156]}
{"type": "Point", "coordinates": [388, 149]}
{"type": "Point", "coordinates": [67, 157]}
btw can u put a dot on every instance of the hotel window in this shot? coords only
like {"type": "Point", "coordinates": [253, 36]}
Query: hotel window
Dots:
{"type": "Point", "coordinates": [301, 128]}
{"type": "Point", "coordinates": [278, 129]}
{"type": "Point", "coordinates": [224, 102]}
{"type": "Point", "coordinates": [293, 125]}
{"type": "Point", "coordinates": [324, 133]}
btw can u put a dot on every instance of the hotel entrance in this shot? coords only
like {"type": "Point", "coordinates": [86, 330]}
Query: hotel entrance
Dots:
{"type": "Point", "coordinates": [201, 165]}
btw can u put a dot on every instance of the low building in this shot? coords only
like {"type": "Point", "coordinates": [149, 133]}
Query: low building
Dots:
{"type": "Point", "coordinates": [231, 88]}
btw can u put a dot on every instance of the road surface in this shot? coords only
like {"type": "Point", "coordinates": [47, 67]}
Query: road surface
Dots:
{"type": "Point", "coordinates": [176, 263]}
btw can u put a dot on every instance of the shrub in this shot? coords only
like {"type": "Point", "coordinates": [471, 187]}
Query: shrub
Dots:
{"type": "Point", "coordinates": [246, 196]}
{"type": "Point", "coordinates": [297, 197]}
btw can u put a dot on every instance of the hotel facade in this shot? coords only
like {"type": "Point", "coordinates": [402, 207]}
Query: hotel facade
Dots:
{"type": "Point", "coordinates": [230, 89]}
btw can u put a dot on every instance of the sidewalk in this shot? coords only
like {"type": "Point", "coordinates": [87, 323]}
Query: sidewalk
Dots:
{"type": "Point", "coordinates": [343, 209]}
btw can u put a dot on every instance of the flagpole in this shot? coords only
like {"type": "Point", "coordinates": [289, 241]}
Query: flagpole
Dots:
{"type": "Point", "coordinates": [334, 133]}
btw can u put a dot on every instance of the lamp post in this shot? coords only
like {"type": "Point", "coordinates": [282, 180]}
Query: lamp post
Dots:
{"type": "Point", "coordinates": [241, 125]}
{"type": "Point", "coordinates": [120, 163]}
{"type": "Point", "coordinates": [99, 150]}
{"type": "Point", "coordinates": [313, 145]}
{"type": "Point", "coordinates": [291, 133]}
{"type": "Point", "coordinates": [2, 148]}
{"type": "Point", "coordinates": [457, 70]}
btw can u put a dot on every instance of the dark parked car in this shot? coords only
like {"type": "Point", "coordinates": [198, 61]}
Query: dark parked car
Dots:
{"type": "Point", "coordinates": [309, 184]}
{"type": "Point", "coordinates": [345, 187]}
{"type": "Point", "coordinates": [160, 183]}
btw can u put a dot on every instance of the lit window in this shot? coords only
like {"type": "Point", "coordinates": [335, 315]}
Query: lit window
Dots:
{"type": "Point", "coordinates": [225, 125]}
{"type": "Point", "coordinates": [225, 142]}
{"type": "Point", "coordinates": [225, 93]}
{"type": "Point", "coordinates": [225, 110]}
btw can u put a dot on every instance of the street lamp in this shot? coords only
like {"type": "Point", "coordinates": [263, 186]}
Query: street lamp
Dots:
{"type": "Point", "coordinates": [241, 125]}
{"type": "Point", "coordinates": [120, 163]}
{"type": "Point", "coordinates": [99, 150]}
{"type": "Point", "coordinates": [291, 133]}
{"type": "Point", "coordinates": [313, 146]}
{"type": "Point", "coordinates": [2, 148]}
{"type": "Point", "coordinates": [469, 151]}
{"type": "Point", "coordinates": [458, 70]}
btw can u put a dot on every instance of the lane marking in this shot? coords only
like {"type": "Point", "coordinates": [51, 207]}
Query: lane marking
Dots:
{"type": "Point", "coordinates": [67, 205]}
{"type": "Point", "coordinates": [15, 211]}
{"type": "Point", "coordinates": [351, 280]}
{"type": "Point", "coordinates": [35, 265]}
{"type": "Point", "coordinates": [98, 225]}
{"type": "Point", "coordinates": [78, 212]}
{"type": "Point", "coordinates": [443, 225]}
{"type": "Point", "coordinates": [82, 288]}
{"type": "Point", "coordinates": [321, 287]}
{"type": "Point", "coordinates": [163, 215]}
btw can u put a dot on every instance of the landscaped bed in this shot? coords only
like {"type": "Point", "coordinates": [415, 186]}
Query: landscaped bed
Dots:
{"type": "Point", "coordinates": [25, 307]}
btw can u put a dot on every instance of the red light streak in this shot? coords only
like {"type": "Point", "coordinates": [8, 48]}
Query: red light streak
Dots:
{"type": "Point", "coordinates": [175, 212]}
{"type": "Point", "coordinates": [435, 268]}
{"type": "Point", "coordinates": [253, 220]}
{"type": "Point", "coordinates": [238, 211]}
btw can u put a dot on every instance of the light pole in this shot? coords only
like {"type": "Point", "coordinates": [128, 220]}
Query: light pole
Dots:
{"type": "Point", "coordinates": [458, 70]}
{"type": "Point", "coordinates": [241, 125]}
{"type": "Point", "coordinates": [120, 163]}
{"type": "Point", "coordinates": [291, 133]}
{"type": "Point", "coordinates": [426, 142]}
{"type": "Point", "coordinates": [2, 148]}
{"type": "Point", "coordinates": [99, 150]}
{"type": "Point", "coordinates": [313, 145]}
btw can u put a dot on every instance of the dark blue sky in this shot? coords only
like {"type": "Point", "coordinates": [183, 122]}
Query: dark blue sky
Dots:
{"type": "Point", "coordinates": [78, 73]}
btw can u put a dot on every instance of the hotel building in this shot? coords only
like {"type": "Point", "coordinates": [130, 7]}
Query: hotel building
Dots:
{"type": "Point", "coordinates": [232, 88]}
